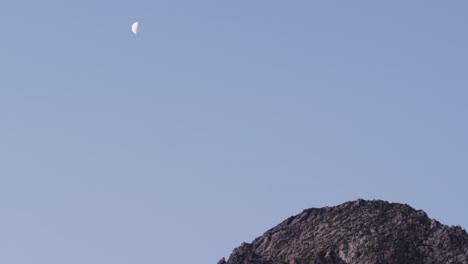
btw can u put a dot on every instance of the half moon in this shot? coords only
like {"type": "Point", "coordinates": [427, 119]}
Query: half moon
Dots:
{"type": "Point", "coordinates": [135, 28]}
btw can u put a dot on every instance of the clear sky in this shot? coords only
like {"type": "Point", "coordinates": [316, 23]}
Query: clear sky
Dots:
{"type": "Point", "coordinates": [219, 120]}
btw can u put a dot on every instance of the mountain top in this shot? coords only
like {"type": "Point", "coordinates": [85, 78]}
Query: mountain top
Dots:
{"type": "Point", "coordinates": [360, 231]}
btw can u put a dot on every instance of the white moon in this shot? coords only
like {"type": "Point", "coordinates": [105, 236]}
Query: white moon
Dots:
{"type": "Point", "coordinates": [135, 28]}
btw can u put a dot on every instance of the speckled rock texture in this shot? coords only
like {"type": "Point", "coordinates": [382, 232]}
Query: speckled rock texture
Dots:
{"type": "Point", "coordinates": [357, 232]}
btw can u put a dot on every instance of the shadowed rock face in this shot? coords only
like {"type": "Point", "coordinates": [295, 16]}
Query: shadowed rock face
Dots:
{"type": "Point", "coordinates": [357, 232]}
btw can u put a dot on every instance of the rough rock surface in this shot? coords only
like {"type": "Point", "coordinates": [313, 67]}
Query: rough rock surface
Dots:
{"type": "Point", "coordinates": [357, 232]}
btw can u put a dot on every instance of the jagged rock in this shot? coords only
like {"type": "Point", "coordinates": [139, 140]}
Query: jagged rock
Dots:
{"type": "Point", "coordinates": [357, 232]}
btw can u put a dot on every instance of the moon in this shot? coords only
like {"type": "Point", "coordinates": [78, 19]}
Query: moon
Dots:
{"type": "Point", "coordinates": [135, 28]}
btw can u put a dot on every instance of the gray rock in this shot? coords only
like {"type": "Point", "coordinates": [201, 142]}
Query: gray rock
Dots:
{"type": "Point", "coordinates": [358, 232]}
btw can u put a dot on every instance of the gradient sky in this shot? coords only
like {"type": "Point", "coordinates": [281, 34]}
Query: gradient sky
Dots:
{"type": "Point", "coordinates": [219, 120]}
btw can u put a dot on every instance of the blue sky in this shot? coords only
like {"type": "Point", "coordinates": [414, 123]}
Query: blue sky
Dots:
{"type": "Point", "coordinates": [219, 120]}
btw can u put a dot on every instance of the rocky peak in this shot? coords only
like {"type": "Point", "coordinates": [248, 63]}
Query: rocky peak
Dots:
{"type": "Point", "coordinates": [357, 232]}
